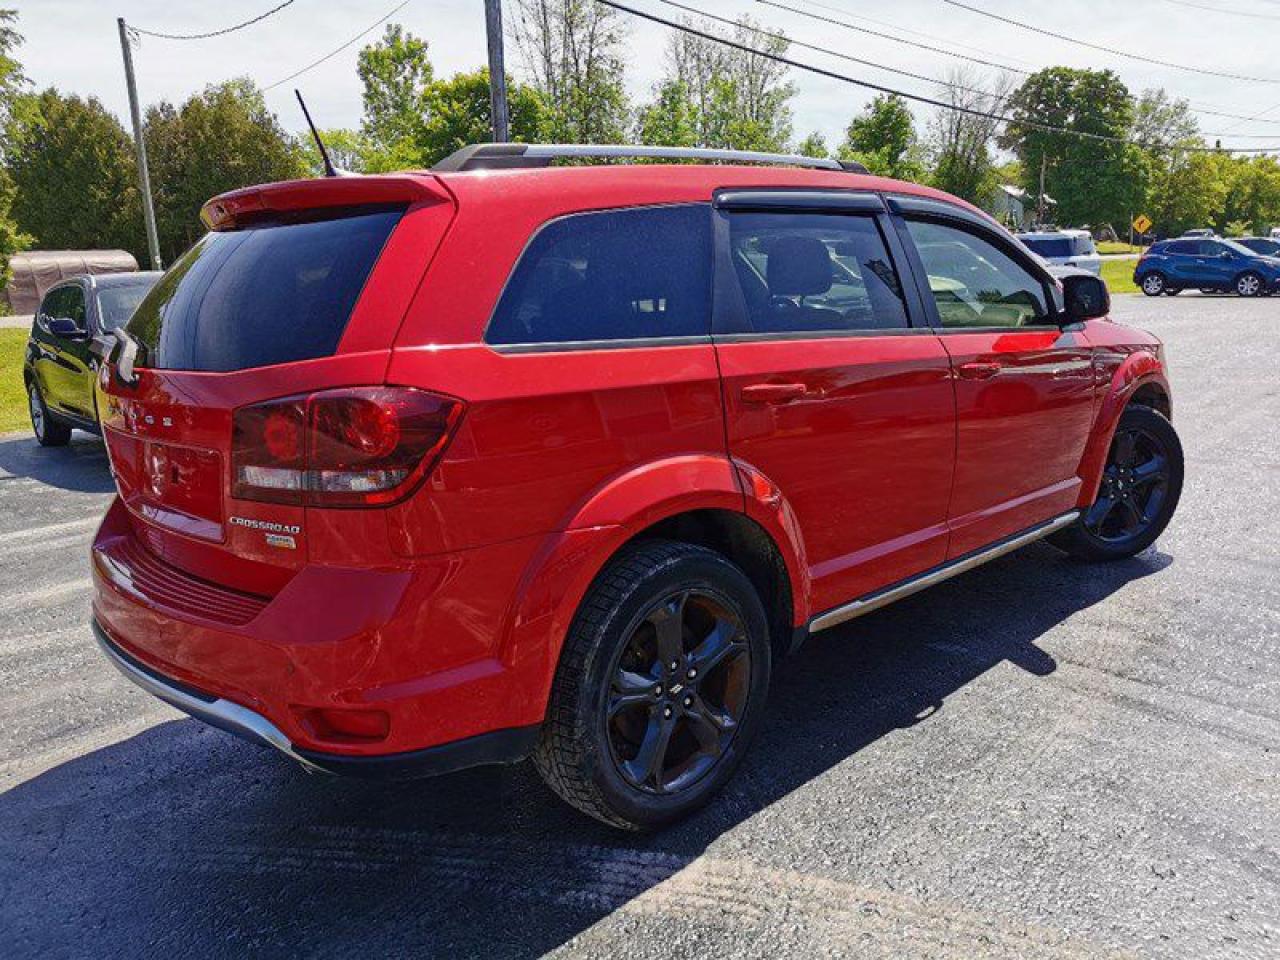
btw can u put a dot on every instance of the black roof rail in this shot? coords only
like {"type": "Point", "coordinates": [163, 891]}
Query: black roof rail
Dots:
{"type": "Point", "coordinates": [511, 156]}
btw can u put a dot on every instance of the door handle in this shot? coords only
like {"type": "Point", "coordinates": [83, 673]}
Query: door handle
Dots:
{"type": "Point", "coordinates": [773, 393]}
{"type": "Point", "coordinates": [978, 371]}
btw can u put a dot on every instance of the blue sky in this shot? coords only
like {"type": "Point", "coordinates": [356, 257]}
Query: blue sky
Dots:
{"type": "Point", "coordinates": [73, 44]}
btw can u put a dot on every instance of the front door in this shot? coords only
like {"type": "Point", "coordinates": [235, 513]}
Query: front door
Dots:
{"type": "Point", "coordinates": [1023, 385]}
{"type": "Point", "coordinates": [835, 388]}
{"type": "Point", "coordinates": [62, 360]}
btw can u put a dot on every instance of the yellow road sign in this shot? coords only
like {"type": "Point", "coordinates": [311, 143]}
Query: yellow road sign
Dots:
{"type": "Point", "coordinates": [1142, 224]}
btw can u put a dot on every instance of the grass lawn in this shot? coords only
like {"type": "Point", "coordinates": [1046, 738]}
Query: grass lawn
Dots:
{"type": "Point", "coordinates": [13, 396]}
{"type": "Point", "coordinates": [1118, 275]}
{"type": "Point", "coordinates": [1118, 246]}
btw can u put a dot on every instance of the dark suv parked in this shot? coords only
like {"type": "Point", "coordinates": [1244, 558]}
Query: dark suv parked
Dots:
{"type": "Point", "coordinates": [59, 367]}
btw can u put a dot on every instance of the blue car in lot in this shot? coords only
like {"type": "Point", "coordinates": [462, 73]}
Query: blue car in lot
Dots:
{"type": "Point", "coordinates": [1210, 264]}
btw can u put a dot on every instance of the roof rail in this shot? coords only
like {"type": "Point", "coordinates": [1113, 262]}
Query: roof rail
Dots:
{"type": "Point", "coordinates": [510, 156]}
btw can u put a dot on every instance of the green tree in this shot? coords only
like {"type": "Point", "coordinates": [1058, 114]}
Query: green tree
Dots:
{"type": "Point", "coordinates": [12, 84]}
{"type": "Point", "coordinates": [1095, 181]}
{"type": "Point", "coordinates": [457, 112]}
{"type": "Point", "coordinates": [814, 145]}
{"type": "Point", "coordinates": [396, 73]}
{"type": "Point", "coordinates": [1190, 192]}
{"type": "Point", "coordinates": [220, 139]}
{"type": "Point", "coordinates": [883, 137]}
{"type": "Point", "coordinates": [575, 52]}
{"type": "Point", "coordinates": [1253, 193]}
{"type": "Point", "coordinates": [73, 176]}
{"type": "Point", "coordinates": [718, 96]}
{"type": "Point", "coordinates": [961, 138]}
{"type": "Point", "coordinates": [348, 149]}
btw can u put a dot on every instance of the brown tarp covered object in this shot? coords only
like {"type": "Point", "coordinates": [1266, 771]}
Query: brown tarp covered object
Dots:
{"type": "Point", "coordinates": [35, 271]}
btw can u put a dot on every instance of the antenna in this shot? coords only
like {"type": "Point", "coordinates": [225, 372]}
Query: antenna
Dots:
{"type": "Point", "coordinates": [329, 169]}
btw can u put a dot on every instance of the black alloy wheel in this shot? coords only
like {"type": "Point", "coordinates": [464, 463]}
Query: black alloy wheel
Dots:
{"type": "Point", "coordinates": [679, 690]}
{"type": "Point", "coordinates": [1139, 491]}
{"type": "Point", "coordinates": [1134, 485]}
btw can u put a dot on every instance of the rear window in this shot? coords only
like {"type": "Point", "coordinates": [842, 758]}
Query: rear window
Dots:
{"type": "Point", "coordinates": [262, 295]}
{"type": "Point", "coordinates": [1050, 246]}
{"type": "Point", "coordinates": [613, 275]}
{"type": "Point", "coordinates": [1082, 246]}
{"type": "Point", "coordinates": [116, 304]}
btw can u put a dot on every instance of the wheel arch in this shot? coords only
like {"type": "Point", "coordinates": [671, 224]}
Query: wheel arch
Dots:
{"type": "Point", "coordinates": [1141, 380]}
{"type": "Point", "coordinates": [708, 500]}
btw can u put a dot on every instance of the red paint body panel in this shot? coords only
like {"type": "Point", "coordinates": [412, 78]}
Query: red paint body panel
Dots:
{"type": "Point", "coordinates": [448, 610]}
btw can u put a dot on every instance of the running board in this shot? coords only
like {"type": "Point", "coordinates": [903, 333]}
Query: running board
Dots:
{"type": "Point", "coordinates": [874, 601]}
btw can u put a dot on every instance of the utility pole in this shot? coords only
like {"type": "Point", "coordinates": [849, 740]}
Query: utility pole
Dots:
{"type": "Point", "coordinates": [497, 71]}
{"type": "Point", "coordinates": [144, 175]}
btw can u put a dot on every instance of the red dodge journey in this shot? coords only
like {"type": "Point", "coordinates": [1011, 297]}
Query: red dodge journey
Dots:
{"type": "Point", "coordinates": [515, 458]}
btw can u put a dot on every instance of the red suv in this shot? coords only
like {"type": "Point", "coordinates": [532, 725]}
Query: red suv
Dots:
{"type": "Point", "coordinates": [508, 458]}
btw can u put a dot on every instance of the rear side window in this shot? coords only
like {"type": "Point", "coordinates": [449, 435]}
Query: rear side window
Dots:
{"type": "Point", "coordinates": [117, 303]}
{"type": "Point", "coordinates": [262, 295]}
{"type": "Point", "coordinates": [614, 275]}
{"type": "Point", "coordinates": [1050, 246]}
{"type": "Point", "coordinates": [813, 272]}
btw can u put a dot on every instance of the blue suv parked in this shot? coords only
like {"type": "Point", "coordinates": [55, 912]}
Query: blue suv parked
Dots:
{"type": "Point", "coordinates": [1208, 264]}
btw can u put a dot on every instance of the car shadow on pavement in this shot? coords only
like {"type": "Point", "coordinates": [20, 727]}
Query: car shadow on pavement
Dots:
{"type": "Point", "coordinates": [80, 466]}
{"type": "Point", "coordinates": [183, 840]}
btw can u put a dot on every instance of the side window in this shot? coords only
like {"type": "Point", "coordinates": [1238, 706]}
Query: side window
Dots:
{"type": "Point", "coordinates": [613, 275]}
{"type": "Point", "coordinates": [1184, 247]}
{"type": "Point", "coordinates": [815, 272]}
{"type": "Point", "coordinates": [73, 305]}
{"type": "Point", "coordinates": [52, 304]}
{"type": "Point", "coordinates": [974, 282]}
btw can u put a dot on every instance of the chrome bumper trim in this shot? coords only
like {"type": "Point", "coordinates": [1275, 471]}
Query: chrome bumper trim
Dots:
{"type": "Point", "coordinates": [875, 601]}
{"type": "Point", "coordinates": [214, 711]}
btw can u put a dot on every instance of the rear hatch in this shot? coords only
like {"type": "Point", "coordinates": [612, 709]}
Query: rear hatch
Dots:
{"type": "Point", "coordinates": [298, 288]}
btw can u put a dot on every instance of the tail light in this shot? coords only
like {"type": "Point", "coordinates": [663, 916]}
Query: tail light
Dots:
{"type": "Point", "coordinates": [353, 447]}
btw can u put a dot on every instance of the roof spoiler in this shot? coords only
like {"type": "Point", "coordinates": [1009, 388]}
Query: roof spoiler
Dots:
{"type": "Point", "coordinates": [524, 156]}
{"type": "Point", "coordinates": [227, 211]}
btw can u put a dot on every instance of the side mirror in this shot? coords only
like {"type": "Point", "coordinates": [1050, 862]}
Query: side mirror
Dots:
{"type": "Point", "coordinates": [65, 327]}
{"type": "Point", "coordinates": [1084, 297]}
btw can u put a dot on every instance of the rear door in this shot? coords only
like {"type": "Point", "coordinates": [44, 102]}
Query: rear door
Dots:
{"type": "Point", "coordinates": [1023, 385]}
{"type": "Point", "coordinates": [246, 315]}
{"type": "Point", "coordinates": [835, 387]}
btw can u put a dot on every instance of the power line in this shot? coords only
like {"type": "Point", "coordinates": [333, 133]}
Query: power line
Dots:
{"type": "Point", "coordinates": [833, 75]}
{"type": "Point", "coordinates": [212, 33]}
{"type": "Point", "coordinates": [1207, 111]}
{"type": "Point", "coordinates": [333, 53]}
{"type": "Point", "coordinates": [1230, 13]}
{"type": "Point", "coordinates": [1111, 50]}
{"type": "Point", "coordinates": [887, 36]}
{"type": "Point", "coordinates": [996, 100]}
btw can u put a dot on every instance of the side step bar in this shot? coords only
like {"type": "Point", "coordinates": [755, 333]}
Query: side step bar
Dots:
{"type": "Point", "coordinates": [874, 601]}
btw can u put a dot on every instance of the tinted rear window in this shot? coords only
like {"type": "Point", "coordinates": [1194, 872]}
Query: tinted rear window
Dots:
{"type": "Point", "coordinates": [263, 295]}
{"type": "Point", "coordinates": [117, 303]}
{"type": "Point", "coordinates": [1050, 246]}
{"type": "Point", "coordinates": [614, 275]}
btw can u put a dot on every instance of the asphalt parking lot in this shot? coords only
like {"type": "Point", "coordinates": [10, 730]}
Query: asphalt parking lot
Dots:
{"type": "Point", "coordinates": [1038, 759]}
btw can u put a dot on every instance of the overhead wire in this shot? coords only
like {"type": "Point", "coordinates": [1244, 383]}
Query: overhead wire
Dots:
{"type": "Point", "coordinates": [333, 53]}
{"type": "Point", "coordinates": [212, 33]}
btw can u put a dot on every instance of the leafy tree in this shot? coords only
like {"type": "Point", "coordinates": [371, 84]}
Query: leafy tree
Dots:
{"type": "Point", "coordinates": [1094, 181]}
{"type": "Point", "coordinates": [395, 72]}
{"type": "Point", "coordinates": [348, 149]}
{"type": "Point", "coordinates": [883, 137]}
{"type": "Point", "coordinates": [575, 52]}
{"type": "Point", "coordinates": [1162, 121]}
{"type": "Point", "coordinates": [1252, 196]}
{"type": "Point", "coordinates": [814, 145]}
{"type": "Point", "coordinates": [718, 96]}
{"type": "Point", "coordinates": [960, 140]}
{"type": "Point", "coordinates": [671, 119]}
{"type": "Point", "coordinates": [12, 83]}
{"type": "Point", "coordinates": [458, 112]}
{"type": "Point", "coordinates": [220, 139]}
{"type": "Point", "coordinates": [1190, 192]}
{"type": "Point", "coordinates": [72, 170]}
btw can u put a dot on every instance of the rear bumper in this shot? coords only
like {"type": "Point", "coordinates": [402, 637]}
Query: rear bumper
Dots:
{"type": "Point", "coordinates": [498, 746]}
{"type": "Point", "coordinates": [417, 643]}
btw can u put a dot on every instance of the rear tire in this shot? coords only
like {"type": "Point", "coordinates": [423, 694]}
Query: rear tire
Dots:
{"type": "Point", "coordinates": [1249, 285]}
{"type": "Point", "coordinates": [660, 688]}
{"type": "Point", "coordinates": [49, 431]}
{"type": "Point", "coordinates": [1141, 484]}
{"type": "Point", "coordinates": [1152, 284]}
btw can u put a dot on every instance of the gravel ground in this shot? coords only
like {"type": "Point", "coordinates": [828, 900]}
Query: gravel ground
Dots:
{"type": "Point", "coordinates": [1037, 759]}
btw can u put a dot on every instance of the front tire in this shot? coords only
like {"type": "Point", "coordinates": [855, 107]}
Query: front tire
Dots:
{"type": "Point", "coordinates": [1153, 284]}
{"type": "Point", "coordinates": [1249, 285]}
{"type": "Point", "coordinates": [1141, 484]}
{"type": "Point", "coordinates": [660, 688]}
{"type": "Point", "coordinates": [49, 432]}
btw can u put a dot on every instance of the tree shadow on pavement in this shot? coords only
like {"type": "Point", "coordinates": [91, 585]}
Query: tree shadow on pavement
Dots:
{"type": "Point", "coordinates": [182, 840]}
{"type": "Point", "coordinates": [80, 466]}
